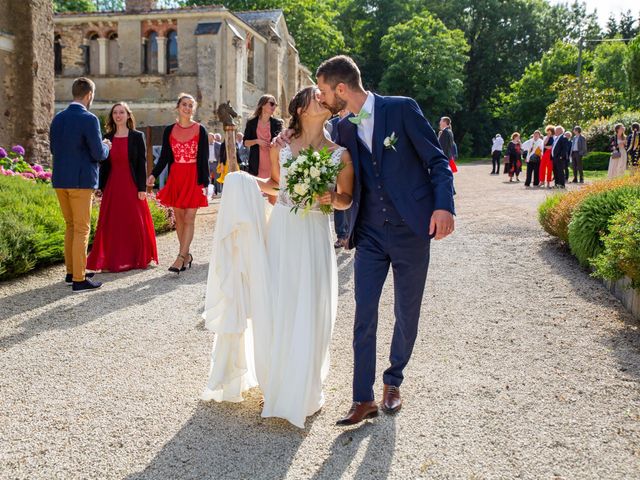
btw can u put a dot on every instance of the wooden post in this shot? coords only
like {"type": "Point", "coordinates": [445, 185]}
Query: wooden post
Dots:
{"type": "Point", "coordinates": [230, 144]}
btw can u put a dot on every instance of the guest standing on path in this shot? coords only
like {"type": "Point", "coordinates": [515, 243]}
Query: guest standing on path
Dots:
{"type": "Point", "coordinates": [125, 238]}
{"type": "Point", "coordinates": [578, 151]}
{"type": "Point", "coordinates": [633, 148]}
{"type": "Point", "coordinates": [258, 133]}
{"type": "Point", "coordinates": [618, 160]}
{"type": "Point", "coordinates": [559, 153]}
{"type": "Point", "coordinates": [514, 152]}
{"type": "Point", "coordinates": [447, 142]}
{"type": "Point", "coordinates": [185, 149]}
{"type": "Point", "coordinates": [77, 147]}
{"type": "Point", "coordinates": [546, 164]}
{"type": "Point", "coordinates": [534, 148]}
{"type": "Point", "coordinates": [496, 153]}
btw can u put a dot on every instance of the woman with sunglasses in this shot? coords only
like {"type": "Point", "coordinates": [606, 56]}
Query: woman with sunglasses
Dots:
{"type": "Point", "coordinates": [260, 129]}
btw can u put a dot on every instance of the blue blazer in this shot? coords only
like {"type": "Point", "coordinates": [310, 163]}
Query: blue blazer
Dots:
{"type": "Point", "coordinates": [415, 174]}
{"type": "Point", "coordinates": [76, 144]}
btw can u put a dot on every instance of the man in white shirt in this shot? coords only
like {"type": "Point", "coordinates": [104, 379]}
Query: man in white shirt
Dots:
{"type": "Point", "coordinates": [496, 153]}
{"type": "Point", "coordinates": [534, 148]}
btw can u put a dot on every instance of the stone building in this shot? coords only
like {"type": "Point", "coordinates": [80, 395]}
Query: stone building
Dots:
{"type": "Point", "coordinates": [147, 56]}
{"type": "Point", "coordinates": [26, 83]}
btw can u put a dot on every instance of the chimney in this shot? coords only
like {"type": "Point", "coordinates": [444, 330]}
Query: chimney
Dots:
{"type": "Point", "coordinates": [137, 6]}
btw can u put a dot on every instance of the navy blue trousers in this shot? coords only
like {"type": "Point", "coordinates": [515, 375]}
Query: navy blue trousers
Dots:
{"type": "Point", "coordinates": [341, 223]}
{"type": "Point", "coordinates": [377, 248]}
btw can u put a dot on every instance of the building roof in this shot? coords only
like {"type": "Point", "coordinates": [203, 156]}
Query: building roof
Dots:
{"type": "Point", "coordinates": [259, 16]}
{"type": "Point", "coordinates": [194, 8]}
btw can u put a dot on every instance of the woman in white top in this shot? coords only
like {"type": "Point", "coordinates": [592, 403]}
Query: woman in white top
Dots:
{"type": "Point", "coordinates": [534, 148]}
{"type": "Point", "coordinates": [618, 160]}
{"type": "Point", "coordinates": [496, 153]}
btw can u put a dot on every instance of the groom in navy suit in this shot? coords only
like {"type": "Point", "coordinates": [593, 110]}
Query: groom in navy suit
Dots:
{"type": "Point", "coordinates": [403, 197]}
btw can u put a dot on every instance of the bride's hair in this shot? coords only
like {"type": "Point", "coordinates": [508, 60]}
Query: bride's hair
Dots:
{"type": "Point", "coordinates": [300, 101]}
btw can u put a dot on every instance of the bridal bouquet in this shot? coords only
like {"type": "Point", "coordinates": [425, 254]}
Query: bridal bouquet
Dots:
{"type": "Point", "coordinates": [309, 175]}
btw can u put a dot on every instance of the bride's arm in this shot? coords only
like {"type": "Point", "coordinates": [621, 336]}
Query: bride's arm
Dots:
{"type": "Point", "coordinates": [342, 197]}
{"type": "Point", "coordinates": [270, 185]}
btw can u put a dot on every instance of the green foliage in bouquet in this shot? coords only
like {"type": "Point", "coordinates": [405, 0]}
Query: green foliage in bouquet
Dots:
{"type": "Point", "coordinates": [621, 254]}
{"type": "Point", "coordinates": [590, 222]}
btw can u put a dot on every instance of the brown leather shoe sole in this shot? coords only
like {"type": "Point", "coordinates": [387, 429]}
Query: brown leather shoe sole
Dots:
{"type": "Point", "coordinates": [348, 421]}
{"type": "Point", "coordinates": [390, 411]}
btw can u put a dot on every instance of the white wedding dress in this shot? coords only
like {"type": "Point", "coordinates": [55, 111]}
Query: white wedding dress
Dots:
{"type": "Point", "coordinates": [286, 352]}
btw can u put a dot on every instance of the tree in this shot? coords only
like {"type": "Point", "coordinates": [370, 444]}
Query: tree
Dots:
{"type": "Point", "coordinates": [311, 24]}
{"type": "Point", "coordinates": [609, 66]}
{"type": "Point", "coordinates": [612, 27]}
{"type": "Point", "coordinates": [633, 68]}
{"type": "Point", "coordinates": [524, 104]}
{"type": "Point", "coordinates": [626, 26]}
{"type": "Point", "coordinates": [61, 6]}
{"type": "Point", "coordinates": [579, 101]}
{"type": "Point", "coordinates": [425, 60]}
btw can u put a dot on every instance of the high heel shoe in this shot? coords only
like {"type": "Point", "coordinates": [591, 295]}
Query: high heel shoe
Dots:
{"type": "Point", "coordinates": [190, 260]}
{"type": "Point", "coordinates": [176, 269]}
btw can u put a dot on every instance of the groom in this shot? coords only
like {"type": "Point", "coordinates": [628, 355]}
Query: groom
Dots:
{"type": "Point", "coordinates": [403, 196]}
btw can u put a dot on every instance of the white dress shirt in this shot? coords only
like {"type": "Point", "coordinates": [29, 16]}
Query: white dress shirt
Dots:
{"type": "Point", "coordinates": [365, 128]}
{"type": "Point", "coordinates": [497, 145]}
{"type": "Point", "coordinates": [555, 142]}
{"type": "Point", "coordinates": [530, 147]}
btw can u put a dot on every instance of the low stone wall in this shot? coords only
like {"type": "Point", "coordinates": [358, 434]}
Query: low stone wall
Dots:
{"type": "Point", "coordinates": [629, 297]}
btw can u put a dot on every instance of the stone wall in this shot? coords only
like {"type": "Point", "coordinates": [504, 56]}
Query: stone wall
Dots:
{"type": "Point", "coordinates": [26, 105]}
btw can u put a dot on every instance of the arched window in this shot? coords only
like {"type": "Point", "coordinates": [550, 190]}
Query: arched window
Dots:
{"type": "Point", "coordinates": [151, 54]}
{"type": "Point", "coordinates": [113, 58]}
{"type": "Point", "coordinates": [172, 52]}
{"type": "Point", "coordinates": [57, 55]}
{"type": "Point", "coordinates": [93, 62]}
{"type": "Point", "coordinates": [250, 58]}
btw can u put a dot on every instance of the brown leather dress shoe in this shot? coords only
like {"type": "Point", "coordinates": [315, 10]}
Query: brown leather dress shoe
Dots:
{"type": "Point", "coordinates": [391, 401]}
{"type": "Point", "coordinates": [359, 411]}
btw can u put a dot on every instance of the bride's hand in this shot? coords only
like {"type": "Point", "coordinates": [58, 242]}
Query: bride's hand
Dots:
{"type": "Point", "coordinates": [283, 139]}
{"type": "Point", "coordinates": [326, 198]}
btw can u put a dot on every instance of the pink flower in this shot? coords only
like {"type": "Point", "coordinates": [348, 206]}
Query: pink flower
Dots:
{"type": "Point", "coordinates": [37, 168]}
{"type": "Point", "coordinates": [28, 175]}
{"type": "Point", "coordinates": [19, 149]}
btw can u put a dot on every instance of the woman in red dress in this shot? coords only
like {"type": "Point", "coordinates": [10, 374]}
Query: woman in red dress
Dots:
{"type": "Point", "coordinates": [125, 237]}
{"type": "Point", "coordinates": [185, 149]}
{"type": "Point", "coordinates": [546, 165]}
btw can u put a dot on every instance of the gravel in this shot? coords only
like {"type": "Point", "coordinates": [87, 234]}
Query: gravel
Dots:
{"type": "Point", "coordinates": [525, 367]}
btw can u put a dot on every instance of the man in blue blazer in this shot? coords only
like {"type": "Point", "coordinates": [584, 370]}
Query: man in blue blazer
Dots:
{"type": "Point", "coordinates": [403, 196]}
{"type": "Point", "coordinates": [77, 147]}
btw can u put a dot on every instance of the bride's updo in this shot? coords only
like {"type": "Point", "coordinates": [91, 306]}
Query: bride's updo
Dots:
{"type": "Point", "coordinates": [301, 101]}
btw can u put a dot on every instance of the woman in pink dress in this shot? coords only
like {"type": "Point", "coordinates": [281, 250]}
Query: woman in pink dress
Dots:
{"type": "Point", "coordinates": [125, 237]}
{"type": "Point", "coordinates": [185, 149]}
{"type": "Point", "coordinates": [258, 133]}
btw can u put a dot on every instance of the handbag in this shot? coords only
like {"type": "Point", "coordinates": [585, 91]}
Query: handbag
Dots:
{"type": "Point", "coordinates": [616, 154]}
{"type": "Point", "coordinates": [452, 165]}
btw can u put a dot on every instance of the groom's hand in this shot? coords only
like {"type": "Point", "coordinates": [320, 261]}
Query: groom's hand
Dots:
{"type": "Point", "coordinates": [442, 224]}
{"type": "Point", "coordinates": [282, 139]}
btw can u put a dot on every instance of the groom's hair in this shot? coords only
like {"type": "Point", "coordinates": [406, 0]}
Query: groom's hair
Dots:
{"type": "Point", "coordinates": [340, 69]}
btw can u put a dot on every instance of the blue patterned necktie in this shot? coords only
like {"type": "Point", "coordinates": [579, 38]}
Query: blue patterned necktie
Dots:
{"type": "Point", "coordinates": [357, 119]}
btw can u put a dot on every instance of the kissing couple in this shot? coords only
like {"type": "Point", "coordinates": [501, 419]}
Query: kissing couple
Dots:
{"type": "Point", "coordinates": [272, 287]}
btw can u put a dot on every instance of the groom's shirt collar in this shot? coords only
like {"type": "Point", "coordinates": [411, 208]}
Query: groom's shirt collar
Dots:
{"type": "Point", "coordinates": [365, 128]}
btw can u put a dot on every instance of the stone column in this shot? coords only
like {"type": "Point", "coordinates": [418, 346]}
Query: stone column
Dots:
{"type": "Point", "coordinates": [103, 44]}
{"type": "Point", "coordinates": [162, 55]}
{"type": "Point", "coordinates": [208, 52]}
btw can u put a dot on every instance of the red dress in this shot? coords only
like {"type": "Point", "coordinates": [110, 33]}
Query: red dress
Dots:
{"type": "Point", "coordinates": [125, 237]}
{"type": "Point", "coordinates": [182, 189]}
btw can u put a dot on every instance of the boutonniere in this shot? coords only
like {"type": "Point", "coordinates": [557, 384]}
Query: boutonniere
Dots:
{"type": "Point", "coordinates": [390, 141]}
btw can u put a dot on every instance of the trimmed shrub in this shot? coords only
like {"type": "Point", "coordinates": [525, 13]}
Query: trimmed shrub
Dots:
{"type": "Point", "coordinates": [621, 254]}
{"type": "Point", "coordinates": [32, 226]}
{"type": "Point", "coordinates": [558, 217]}
{"type": "Point", "coordinates": [544, 212]}
{"type": "Point", "coordinates": [590, 221]}
{"type": "Point", "coordinates": [600, 131]}
{"type": "Point", "coordinates": [596, 161]}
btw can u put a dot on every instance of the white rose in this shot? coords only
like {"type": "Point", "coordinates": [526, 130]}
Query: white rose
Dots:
{"type": "Point", "coordinates": [316, 155]}
{"type": "Point", "coordinates": [314, 172]}
{"type": "Point", "coordinates": [387, 142]}
{"type": "Point", "coordinates": [301, 158]}
{"type": "Point", "coordinates": [300, 189]}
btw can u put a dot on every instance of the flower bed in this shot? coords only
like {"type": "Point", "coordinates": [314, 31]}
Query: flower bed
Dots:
{"type": "Point", "coordinates": [12, 164]}
{"type": "Point", "coordinates": [32, 227]}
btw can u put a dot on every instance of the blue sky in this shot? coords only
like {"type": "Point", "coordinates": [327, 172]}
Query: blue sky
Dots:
{"type": "Point", "coordinates": [606, 7]}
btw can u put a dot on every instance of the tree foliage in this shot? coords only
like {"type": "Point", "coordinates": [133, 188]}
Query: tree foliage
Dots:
{"type": "Point", "coordinates": [609, 66]}
{"type": "Point", "coordinates": [580, 101]}
{"type": "Point", "coordinates": [425, 60]}
{"type": "Point", "coordinates": [62, 6]}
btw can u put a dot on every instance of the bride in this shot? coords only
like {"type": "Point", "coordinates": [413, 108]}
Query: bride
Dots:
{"type": "Point", "coordinates": [301, 278]}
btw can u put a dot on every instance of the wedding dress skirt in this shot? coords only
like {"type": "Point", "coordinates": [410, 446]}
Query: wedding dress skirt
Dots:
{"type": "Point", "coordinates": [304, 282]}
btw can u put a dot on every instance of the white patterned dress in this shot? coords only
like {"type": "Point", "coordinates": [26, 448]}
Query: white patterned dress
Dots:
{"type": "Point", "coordinates": [304, 282]}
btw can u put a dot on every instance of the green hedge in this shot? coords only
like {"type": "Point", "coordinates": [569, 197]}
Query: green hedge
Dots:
{"type": "Point", "coordinates": [32, 227]}
{"type": "Point", "coordinates": [596, 161]}
{"type": "Point", "coordinates": [600, 131]}
{"type": "Point", "coordinates": [621, 254]}
{"type": "Point", "coordinates": [590, 222]}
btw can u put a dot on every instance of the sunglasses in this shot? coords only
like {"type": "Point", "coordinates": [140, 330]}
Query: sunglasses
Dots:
{"type": "Point", "coordinates": [272, 103]}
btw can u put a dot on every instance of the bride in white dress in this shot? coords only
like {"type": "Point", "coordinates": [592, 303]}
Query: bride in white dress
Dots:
{"type": "Point", "coordinates": [272, 289]}
{"type": "Point", "coordinates": [303, 272]}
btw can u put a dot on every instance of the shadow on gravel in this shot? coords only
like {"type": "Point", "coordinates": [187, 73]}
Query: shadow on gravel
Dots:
{"type": "Point", "coordinates": [224, 441]}
{"type": "Point", "coordinates": [101, 302]}
{"type": "Point", "coordinates": [376, 463]}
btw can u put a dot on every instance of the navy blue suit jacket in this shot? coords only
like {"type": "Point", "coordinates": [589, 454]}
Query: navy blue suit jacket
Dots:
{"type": "Point", "coordinates": [415, 174]}
{"type": "Point", "coordinates": [76, 144]}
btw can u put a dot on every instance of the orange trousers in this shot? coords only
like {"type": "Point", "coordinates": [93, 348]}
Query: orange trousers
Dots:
{"type": "Point", "coordinates": [75, 204]}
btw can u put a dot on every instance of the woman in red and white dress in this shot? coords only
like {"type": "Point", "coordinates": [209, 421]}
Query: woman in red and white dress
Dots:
{"type": "Point", "coordinates": [185, 149]}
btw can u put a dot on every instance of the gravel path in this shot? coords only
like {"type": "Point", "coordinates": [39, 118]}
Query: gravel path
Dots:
{"type": "Point", "coordinates": [525, 367]}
